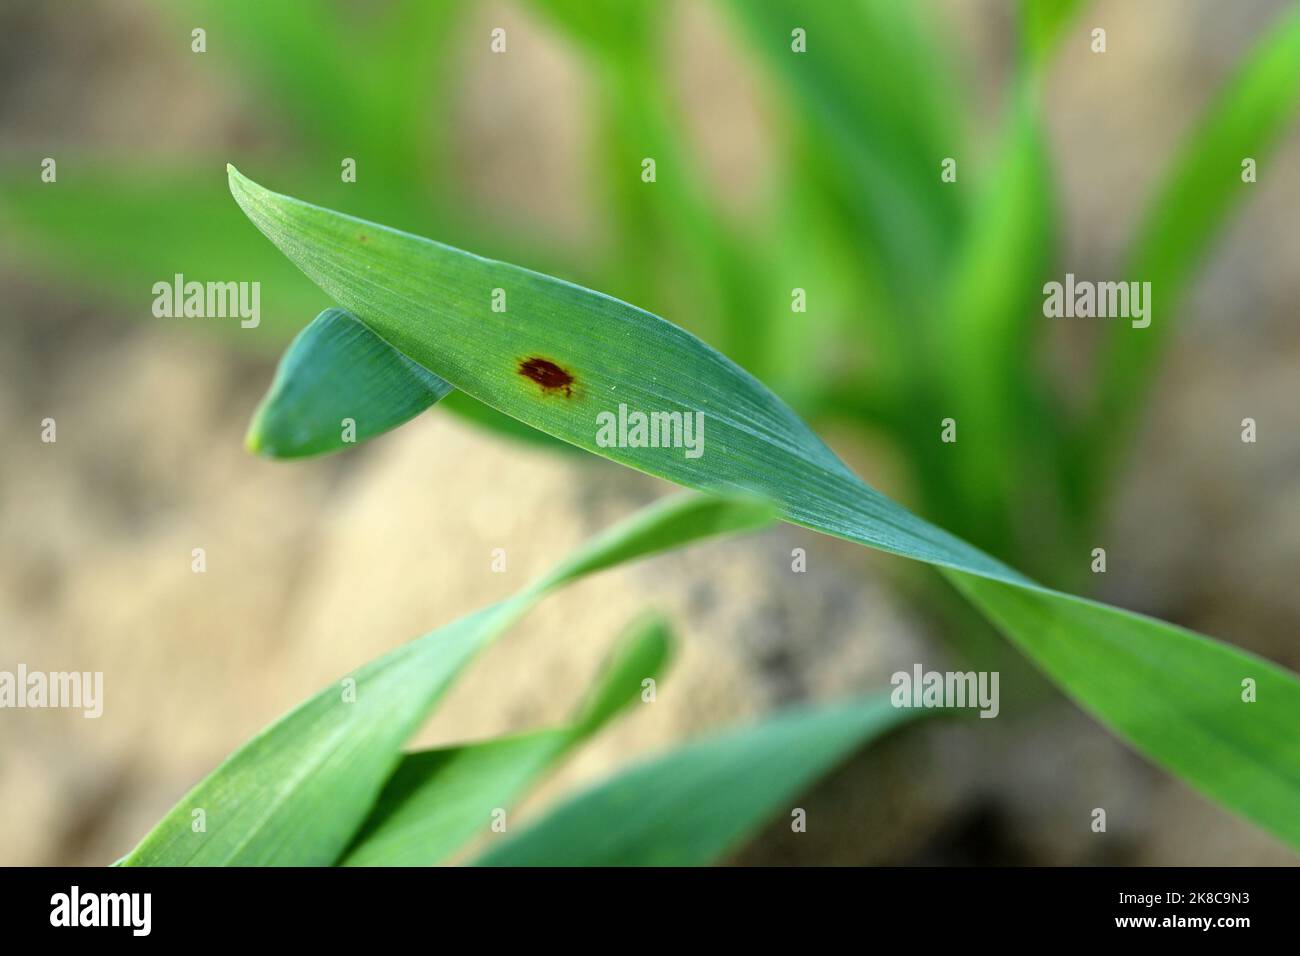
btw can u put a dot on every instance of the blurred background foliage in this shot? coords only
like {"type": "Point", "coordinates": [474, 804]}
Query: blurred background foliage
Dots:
{"type": "Point", "coordinates": [923, 297]}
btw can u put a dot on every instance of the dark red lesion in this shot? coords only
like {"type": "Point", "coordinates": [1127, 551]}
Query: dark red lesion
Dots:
{"type": "Point", "coordinates": [551, 377]}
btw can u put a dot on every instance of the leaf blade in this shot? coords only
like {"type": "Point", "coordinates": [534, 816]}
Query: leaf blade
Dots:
{"type": "Point", "coordinates": [296, 793]}
{"type": "Point", "coordinates": [438, 799]}
{"type": "Point", "coordinates": [1181, 694]}
{"type": "Point", "coordinates": [621, 352]}
{"type": "Point", "coordinates": [335, 371]}
{"type": "Point", "coordinates": [690, 806]}
{"type": "Point", "coordinates": [429, 301]}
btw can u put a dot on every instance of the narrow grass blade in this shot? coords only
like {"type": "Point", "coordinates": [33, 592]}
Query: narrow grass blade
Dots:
{"type": "Point", "coordinates": [438, 799]}
{"type": "Point", "coordinates": [1220, 718]}
{"type": "Point", "coordinates": [691, 805]}
{"type": "Point", "coordinates": [645, 652]}
{"type": "Point", "coordinates": [296, 793]}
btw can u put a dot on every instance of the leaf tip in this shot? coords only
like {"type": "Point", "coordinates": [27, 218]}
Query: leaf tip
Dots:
{"type": "Point", "coordinates": [240, 185]}
{"type": "Point", "coordinates": [254, 440]}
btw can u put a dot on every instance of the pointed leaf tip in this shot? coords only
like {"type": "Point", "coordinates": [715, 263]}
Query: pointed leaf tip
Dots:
{"type": "Point", "coordinates": [253, 440]}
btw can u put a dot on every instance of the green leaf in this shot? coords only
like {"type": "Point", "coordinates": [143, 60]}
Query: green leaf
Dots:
{"type": "Point", "coordinates": [438, 799]}
{"type": "Point", "coordinates": [875, 88]}
{"type": "Point", "coordinates": [431, 302]}
{"type": "Point", "coordinates": [644, 653]}
{"type": "Point", "coordinates": [673, 242]}
{"type": "Point", "coordinates": [608, 27]}
{"type": "Point", "coordinates": [691, 805]}
{"type": "Point", "coordinates": [983, 338]}
{"type": "Point", "coordinates": [484, 416]}
{"type": "Point", "coordinates": [338, 370]}
{"type": "Point", "coordinates": [1042, 22]}
{"type": "Point", "coordinates": [296, 793]}
{"type": "Point", "coordinates": [1178, 694]}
